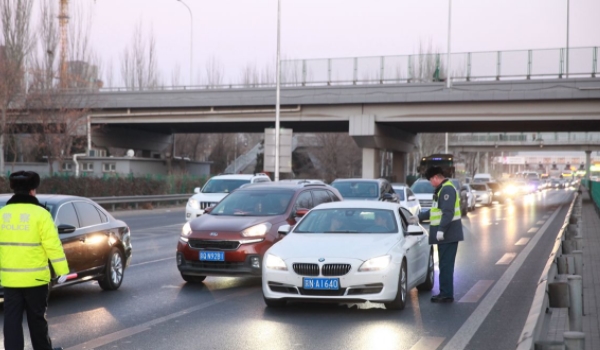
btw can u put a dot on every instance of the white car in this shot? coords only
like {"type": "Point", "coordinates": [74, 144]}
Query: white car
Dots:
{"type": "Point", "coordinates": [349, 251]}
{"type": "Point", "coordinates": [407, 198]}
{"type": "Point", "coordinates": [470, 197]}
{"type": "Point", "coordinates": [423, 190]}
{"type": "Point", "coordinates": [483, 194]}
{"type": "Point", "coordinates": [215, 189]}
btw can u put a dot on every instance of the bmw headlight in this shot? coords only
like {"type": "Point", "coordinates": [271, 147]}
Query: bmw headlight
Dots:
{"type": "Point", "coordinates": [259, 230]}
{"type": "Point", "coordinates": [275, 263]}
{"type": "Point", "coordinates": [194, 204]}
{"type": "Point", "coordinates": [186, 231]}
{"type": "Point", "coordinates": [375, 264]}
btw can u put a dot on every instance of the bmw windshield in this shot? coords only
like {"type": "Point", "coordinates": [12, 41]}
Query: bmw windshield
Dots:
{"type": "Point", "coordinates": [345, 220]}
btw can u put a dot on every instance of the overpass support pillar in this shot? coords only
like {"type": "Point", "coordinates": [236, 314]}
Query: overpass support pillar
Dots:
{"type": "Point", "coordinates": [588, 164]}
{"type": "Point", "coordinates": [373, 137]}
{"type": "Point", "coordinates": [371, 163]}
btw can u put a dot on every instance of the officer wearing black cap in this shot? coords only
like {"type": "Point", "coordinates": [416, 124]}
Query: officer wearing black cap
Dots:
{"type": "Point", "coordinates": [445, 230]}
{"type": "Point", "coordinates": [28, 243]}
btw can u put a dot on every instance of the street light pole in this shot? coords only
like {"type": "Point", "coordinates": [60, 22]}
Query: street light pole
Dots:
{"type": "Point", "coordinates": [448, 81]}
{"type": "Point", "coordinates": [277, 93]}
{"type": "Point", "coordinates": [567, 61]}
{"type": "Point", "coordinates": [191, 40]}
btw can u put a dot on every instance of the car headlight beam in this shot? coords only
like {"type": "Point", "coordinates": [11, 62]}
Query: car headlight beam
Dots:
{"type": "Point", "coordinates": [186, 231]}
{"type": "Point", "coordinates": [259, 230]}
{"type": "Point", "coordinates": [194, 204]}
{"type": "Point", "coordinates": [375, 264]}
{"type": "Point", "coordinates": [275, 263]}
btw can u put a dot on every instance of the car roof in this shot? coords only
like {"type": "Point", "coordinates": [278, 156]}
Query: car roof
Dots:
{"type": "Point", "coordinates": [49, 198]}
{"type": "Point", "coordinates": [238, 176]}
{"type": "Point", "coordinates": [278, 186]}
{"type": "Point", "coordinates": [359, 180]}
{"type": "Point", "coordinates": [348, 204]}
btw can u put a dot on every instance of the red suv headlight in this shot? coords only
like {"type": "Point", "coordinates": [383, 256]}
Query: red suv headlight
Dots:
{"type": "Point", "coordinates": [259, 230]}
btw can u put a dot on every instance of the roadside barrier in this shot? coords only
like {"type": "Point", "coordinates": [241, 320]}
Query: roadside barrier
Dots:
{"type": "Point", "coordinates": [560, 286]}
{"type": "Point", "coordinates": [136, 200]}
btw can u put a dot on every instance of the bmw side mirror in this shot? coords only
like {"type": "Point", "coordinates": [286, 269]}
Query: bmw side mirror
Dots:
{"type": "Point", "coordinates": [414, 230]}
{"type": "Point", "coordinates": [64, 228]}
{"type": "Point", "coordinates": [284, 229]}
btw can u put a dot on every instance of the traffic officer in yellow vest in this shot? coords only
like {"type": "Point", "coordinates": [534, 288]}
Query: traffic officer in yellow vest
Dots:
{"type": "Point", "coordinates": [28, 243]}
{"type": "Point", "coordinates": [445, 230]}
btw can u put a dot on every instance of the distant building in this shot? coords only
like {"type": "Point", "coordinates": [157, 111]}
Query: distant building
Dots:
{"type": "Point", "coordinates": [83, 75]}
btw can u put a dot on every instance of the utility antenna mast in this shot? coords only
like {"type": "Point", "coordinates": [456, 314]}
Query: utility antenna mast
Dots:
{"type": "Point", "coordinates": [63, 20]}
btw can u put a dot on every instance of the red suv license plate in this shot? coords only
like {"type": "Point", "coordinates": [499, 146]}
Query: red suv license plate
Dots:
{"type": "Point", "coordinates": [321, 283]}
{"type": "Point", "coordinates": [212, 256]}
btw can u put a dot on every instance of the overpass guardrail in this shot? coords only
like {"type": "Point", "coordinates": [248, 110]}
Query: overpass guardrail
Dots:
{"type": "Point", "coordinates": [560, 286]}
{"type": "Point", "coordinates": [136, 200]}
{"type": "Point", "coordinates": [574, 62]}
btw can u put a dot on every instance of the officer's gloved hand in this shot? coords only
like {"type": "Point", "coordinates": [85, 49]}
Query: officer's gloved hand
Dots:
{"type": "Point", "coordinates": [61, 279]}
{"type": "Point", "coordinates": [440, 236]}
{"type": "Point", "coordinates": [413, 220]}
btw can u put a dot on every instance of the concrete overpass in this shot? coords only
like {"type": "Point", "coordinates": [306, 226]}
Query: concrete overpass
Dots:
{"type": "Point", "coordinates": [380, 116]}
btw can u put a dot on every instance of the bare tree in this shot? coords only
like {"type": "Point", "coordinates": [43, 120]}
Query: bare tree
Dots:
{"type": "Point", "coordinates": [214, 72]}
{"type": "Point", "coordinates": [139, 63]}
{"type": "Point", "coordinates": [338, 155]}
{"type": "Point", "coordinates": [14, 48]}
{"type": "Point", "coordinates": [176, 75]}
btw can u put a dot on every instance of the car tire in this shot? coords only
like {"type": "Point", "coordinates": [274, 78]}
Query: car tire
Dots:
{"type": "Point", "coordinates": [274, 302]}
{"type": "Point", "coordinates": [400, 301]}
{"type": "Point", "coordinates": [430, 280]}
{"type": "Point", "coordinates": [193, 279]}
{"type": "Point", "coordinates": [114, 270]}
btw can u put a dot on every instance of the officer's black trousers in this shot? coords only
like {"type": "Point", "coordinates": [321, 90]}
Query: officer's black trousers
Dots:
{"type": "Point", "coordinates": [34, 301]}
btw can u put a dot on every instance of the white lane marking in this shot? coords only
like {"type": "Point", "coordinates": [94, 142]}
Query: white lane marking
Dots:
{"type": "Point", "coordinates": [150, 262]}
{"type": "Point", "coordinates": [522, 241]}
{"type": "Point", "coordinates": [428, 343]}
{"type": "Point", "coordinates": [533, 230]}
{"type": "Point", "coordinates": [127, 332]}
{"type": "Point", "coordinates": [541, 222]}
{"type": "Point", "coordinates": [506, 259]}
{"type": "Point", "coordinates": [477, 291]}
{"type": "Point", "coordinates": [461, 339]}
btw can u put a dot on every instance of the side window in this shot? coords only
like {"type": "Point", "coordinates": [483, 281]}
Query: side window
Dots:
{"type": "Point", "coordinates": [66, 215]}
{"type": "Point", "coordinates": [88, 213]}
{"type": "Point", "coordinates": [320, 196]}
{"type": "Point", "coordinates": [334, 198]}
{"type": "Point", "coordinates": [304, 201]}
{"type": "Point", "coordinates": [103, 216]}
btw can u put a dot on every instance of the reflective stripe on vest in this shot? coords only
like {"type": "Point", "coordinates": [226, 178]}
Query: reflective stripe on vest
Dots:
{"type": "Point", "coordinates": [435, 214]}
{"type": "Point", "coordinates": [35, 269]}
{"type": "Point", "coordinates": [21, 244]}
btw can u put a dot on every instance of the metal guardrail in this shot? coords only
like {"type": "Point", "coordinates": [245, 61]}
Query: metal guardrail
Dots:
{"type": "Point", "coordinates": [136, 200]}
{"type": "Point", "coordinates": [564, 255]}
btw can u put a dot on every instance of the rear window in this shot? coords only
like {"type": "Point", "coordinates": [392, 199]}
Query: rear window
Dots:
{"type": "Point", "coordinates": [223, 185]}
{"type": "Point", "coordinates": [479, 187]}
{"type": "Point", "coordinates": [357, 189]}
{"type": "Point", "coordinates": [422, 187]}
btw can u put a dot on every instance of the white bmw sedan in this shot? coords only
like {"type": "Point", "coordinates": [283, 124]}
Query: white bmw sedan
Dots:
{"type": "Point", "coordinates": [349, 251]}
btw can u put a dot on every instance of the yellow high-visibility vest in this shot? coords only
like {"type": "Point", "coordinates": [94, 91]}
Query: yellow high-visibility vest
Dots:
{"type": "Point", "coordinates": [435, 214]}
{"type": "Point", "coordinates": [28, 240]}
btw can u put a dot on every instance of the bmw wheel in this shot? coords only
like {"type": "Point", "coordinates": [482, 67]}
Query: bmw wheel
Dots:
{"type": "Point", "coordinates": [400, 301]}
{"type": "Point", "coordinates": [430, 280]}
{"type": "Point", "coordinates": [113, 275]}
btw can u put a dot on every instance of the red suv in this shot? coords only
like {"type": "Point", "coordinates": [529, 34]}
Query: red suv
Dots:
{"type": "Point", "coordinates": [232, 239]}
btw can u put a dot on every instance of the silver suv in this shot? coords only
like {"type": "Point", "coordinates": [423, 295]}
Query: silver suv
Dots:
{"type": "Point", "coordinates": [216, 188]}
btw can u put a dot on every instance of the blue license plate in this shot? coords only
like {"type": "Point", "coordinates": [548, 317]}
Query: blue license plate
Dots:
{"type": "Point", "coordinates": [321, 283]}
{"type": "Point", "coordinates": [212, 256]}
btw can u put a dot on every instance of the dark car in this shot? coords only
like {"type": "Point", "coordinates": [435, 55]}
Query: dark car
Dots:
{"type": "Point", "coordinates": [464, 198]}
{"type": "Point", "coordinates": [97, 246]}
{"type": "Point", "coordinates": [232, 239]}
{"type": "Point", "coordinates": [366, 189]}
